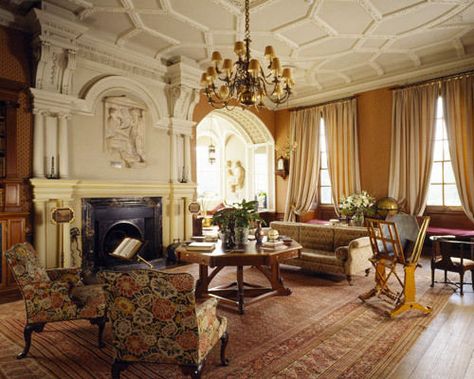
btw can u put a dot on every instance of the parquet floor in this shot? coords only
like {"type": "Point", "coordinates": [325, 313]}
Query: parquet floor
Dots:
{"type": "Point", "coordinates": [446, 348]}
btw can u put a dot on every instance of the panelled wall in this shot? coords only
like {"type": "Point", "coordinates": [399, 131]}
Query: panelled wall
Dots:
{"type": "Point", "coordinates": [15, 198]}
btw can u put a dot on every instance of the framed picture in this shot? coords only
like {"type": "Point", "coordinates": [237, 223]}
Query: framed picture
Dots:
{"type": "Point", "coordinates": [62, 215]}
{"type": "Point", "coordinates": [194, 207]}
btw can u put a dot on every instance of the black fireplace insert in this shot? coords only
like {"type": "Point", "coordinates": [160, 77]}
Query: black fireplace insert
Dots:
{"type": "Point", "coordinates": [107, 221]}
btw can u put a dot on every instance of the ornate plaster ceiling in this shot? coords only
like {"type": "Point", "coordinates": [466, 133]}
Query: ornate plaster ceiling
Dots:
{"type": "Point", "coordinates": [335, 46]}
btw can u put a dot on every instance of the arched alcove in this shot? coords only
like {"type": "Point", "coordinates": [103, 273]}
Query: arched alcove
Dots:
{"type": "Point", "coordinates": [244, 151]}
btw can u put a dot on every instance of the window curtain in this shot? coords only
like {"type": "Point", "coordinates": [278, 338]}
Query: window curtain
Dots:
{"type": "Point", "coordinates": [411, 156]}
{"type": "Point", "coordinates": [340, 120]}
{"type": "Point", "coordinates": [458, 104]}
{"type": "Point", "coordinates": [304, 162]}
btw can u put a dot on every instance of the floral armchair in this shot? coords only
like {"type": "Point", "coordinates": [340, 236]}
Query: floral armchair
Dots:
{"type": "Point", "coordinates": [155, 319]}
{"type": "Point", "coordinates": [53, 295]}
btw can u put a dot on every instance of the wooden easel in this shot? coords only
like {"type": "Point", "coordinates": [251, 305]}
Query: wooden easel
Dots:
{"type": "Point", "coordinates": [388, 252]}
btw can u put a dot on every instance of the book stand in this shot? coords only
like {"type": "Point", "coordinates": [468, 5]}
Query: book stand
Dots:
{"type": "Point", "coordinates": [136, 255]}
{"type": "Point", "coordinates": [388, 252]}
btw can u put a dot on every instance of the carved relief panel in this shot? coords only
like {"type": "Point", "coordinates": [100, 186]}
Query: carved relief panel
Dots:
{"type": "Point", "coordinates": [124, 132]}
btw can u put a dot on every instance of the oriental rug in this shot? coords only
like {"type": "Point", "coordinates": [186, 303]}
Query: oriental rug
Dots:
{"type": "Point", "coordinates": [321, 331]}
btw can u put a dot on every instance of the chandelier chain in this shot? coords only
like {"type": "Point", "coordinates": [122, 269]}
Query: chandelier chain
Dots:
{"type": "Point", "coordinates": [247, 20]}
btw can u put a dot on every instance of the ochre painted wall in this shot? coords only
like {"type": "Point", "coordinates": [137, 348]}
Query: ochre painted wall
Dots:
{"type": "Point", "coordinates": [374, 110]}
{"type": "Point", "coordinates": [282, 136]}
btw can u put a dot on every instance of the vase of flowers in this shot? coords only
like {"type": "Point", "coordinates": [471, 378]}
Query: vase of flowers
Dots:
{"type": "Point", "coordinates": [357, 206]}
{"type": "Point", "coordinates": [234, 222]}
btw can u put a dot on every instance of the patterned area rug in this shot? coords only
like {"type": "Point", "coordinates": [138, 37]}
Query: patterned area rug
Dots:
{"type": "Point", "coordinates": [321, 330]}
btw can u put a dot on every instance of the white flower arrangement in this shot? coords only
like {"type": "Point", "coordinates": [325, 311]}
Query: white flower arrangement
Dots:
{"type": "Point", "coordinates": [356, 203]}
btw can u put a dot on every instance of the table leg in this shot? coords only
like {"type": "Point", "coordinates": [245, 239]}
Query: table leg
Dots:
{"type": "Point", "coordinates": [277, 281]}
{"type": "Point", "coordinates": [202, 284]}
{"type": "Point", "coordinates": [240, 288]}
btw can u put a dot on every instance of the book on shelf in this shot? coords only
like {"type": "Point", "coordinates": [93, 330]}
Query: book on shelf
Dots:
{"type": "Point", "coordinates": [204, 246]}
{"type": "Point", "coordinates": [127, 248]}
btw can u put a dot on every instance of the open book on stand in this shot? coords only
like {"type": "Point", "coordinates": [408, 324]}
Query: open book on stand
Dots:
{"type": "Point", "coordinates": [128, 249]}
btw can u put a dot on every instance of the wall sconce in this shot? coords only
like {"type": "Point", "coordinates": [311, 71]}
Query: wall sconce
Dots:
{"type": "Point", "coordinates": [282, 167]}
{"type": "Point", "coordinates": [211, 151]}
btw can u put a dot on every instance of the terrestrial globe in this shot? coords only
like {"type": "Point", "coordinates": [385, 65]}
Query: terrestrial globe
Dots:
{"type": "Point", "coordinates": [386, 206]}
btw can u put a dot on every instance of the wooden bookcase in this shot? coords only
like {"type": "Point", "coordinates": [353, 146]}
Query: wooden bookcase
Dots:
{"type": "Point", "coordinates": [13, 214]}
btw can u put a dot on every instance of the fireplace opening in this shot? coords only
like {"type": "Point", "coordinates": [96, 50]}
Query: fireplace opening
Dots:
{"type": "Point", "coordinates": [107, 221]}
{"type": "Point", "coordinates": [117, 233]}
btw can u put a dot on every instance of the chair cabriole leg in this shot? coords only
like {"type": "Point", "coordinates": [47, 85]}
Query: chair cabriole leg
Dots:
{"type": "Point", "coordinates": [117, 367]}
{"type": "Point", "coordinates": [224, 341]}
{"type": "Point", "coordinates": [100, 322]}
{"type": "Point", "coordinates": [27, 332]}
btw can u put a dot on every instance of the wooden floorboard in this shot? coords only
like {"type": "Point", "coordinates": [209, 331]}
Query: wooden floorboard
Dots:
{"type": "Point", "coordinates": [446, 348]}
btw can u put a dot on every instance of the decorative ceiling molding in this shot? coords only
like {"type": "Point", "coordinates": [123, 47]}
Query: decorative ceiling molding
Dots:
{"type": "Point", "coordinates": [331, 45]}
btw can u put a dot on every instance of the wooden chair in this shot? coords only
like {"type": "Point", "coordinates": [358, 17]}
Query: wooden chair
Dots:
{"type": "Point", "coordinates": [450, 254]}
{"type": "Point", "coordinates": [388, 253]}
{"type": "Point", "coordinates": [155, 319]}
{"type": "Point", "coordinates": [54, 294]}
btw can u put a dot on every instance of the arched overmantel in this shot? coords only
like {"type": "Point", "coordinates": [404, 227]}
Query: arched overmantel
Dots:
{"type": "Point", "coordinates": [250, 125]}
{"type": "Point", "coordinates": [92, 94]}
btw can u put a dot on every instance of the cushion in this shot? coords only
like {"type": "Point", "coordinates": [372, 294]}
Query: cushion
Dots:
{"type": "Point", "coordinates": [291, 230]}
{"type": "Point", "coordinates": [318, 237]}
{"type": "Point", "coordinates": [343, 235]}
{"type": "Point", "coordinates": [318, 256]}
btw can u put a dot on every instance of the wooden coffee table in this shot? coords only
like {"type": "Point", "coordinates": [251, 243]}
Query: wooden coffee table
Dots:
{"type": "Point", "coordinates": [236, 293]}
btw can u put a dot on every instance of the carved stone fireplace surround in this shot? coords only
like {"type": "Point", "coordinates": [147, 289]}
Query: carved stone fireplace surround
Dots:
{"type": "Point", "coordinates": [52, 241]}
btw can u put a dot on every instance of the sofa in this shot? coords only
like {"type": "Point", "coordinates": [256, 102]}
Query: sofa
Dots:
{"type": "Point", "coordinates": [333, 249]}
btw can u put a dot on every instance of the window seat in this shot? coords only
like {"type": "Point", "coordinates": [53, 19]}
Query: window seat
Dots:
{"type": "Point", "coordinates": [437, 231]}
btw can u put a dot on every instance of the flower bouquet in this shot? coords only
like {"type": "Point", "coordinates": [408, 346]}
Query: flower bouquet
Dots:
{"type": "Point", "coordinates": [356, 206]}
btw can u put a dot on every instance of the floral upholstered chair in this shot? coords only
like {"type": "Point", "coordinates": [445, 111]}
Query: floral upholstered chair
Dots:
{"type": "Point", "coordinates": [155, 319]}
{"type": "Point", "coordinates": [53, 295]}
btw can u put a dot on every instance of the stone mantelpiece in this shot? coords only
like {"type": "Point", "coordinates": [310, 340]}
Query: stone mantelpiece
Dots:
{"type": "Point", "coordinates": [53, 241]}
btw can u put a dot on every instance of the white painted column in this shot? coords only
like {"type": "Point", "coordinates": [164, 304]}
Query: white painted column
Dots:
{"type": "Point", "coordinates": [63, 155]}
{"type": "Point", "coordinates": [188, 219]}
{"type": "Point", "coordinates": [66, 239]}
{"type": "Point", "coordinates": [187, 156]}
{"type": "Point", "coordinates": [38, 145]}
{"type": "Point", "coordinates": [173, 161]}
{"type": "Point", "coordinates": [40, 229]}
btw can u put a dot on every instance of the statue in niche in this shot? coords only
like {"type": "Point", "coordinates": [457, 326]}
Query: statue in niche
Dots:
{"type": "Point", "coordinates": [124, 133]}
{"type": "Point", "coordinates": [231, 183]}
{"type": "Point", "coordinates": [239, 173]}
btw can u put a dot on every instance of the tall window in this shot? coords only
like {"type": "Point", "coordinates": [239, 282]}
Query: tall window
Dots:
{"type": "Point", "coordinates": [442, 190]}
{"type": "Point", "coordinates": [261, 175]}
{"type": "Point", "coordinates": [208, 175]}
{"type": "Point", "coordinates": [325, 195]}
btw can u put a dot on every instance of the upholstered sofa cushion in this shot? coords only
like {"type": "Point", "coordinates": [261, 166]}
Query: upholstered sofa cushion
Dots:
{"type": "Point", "coordinates": [344, 235]}
{"type": "Point", "coordinates": [318, 256]}
{"type": "Point", "coordinates": [291, 230]}
{"type": "Point", "coordinates": [318, 237]}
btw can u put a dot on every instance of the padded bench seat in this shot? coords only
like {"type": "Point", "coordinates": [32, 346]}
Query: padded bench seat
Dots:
{"type": "Point", "coordinates": [435, 231]}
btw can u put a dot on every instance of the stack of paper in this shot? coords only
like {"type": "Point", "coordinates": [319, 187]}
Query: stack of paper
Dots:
{"type": "Point", "coordinates": [205, 246]}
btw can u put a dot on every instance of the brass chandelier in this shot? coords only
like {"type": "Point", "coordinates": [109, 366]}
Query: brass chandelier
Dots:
{"type": "Point", "coordinates": [244, 81]}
